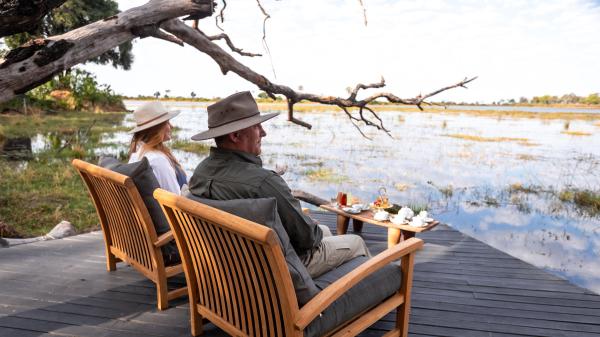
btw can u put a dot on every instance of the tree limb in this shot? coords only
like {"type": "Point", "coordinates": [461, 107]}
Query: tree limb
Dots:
{"type": "Point", "coordinates": [225, 37]}
{"type": "Point", "coordinates": [24, 16]}
{"type": "Point", "coordinates": [31, 65]}
{"type": "Point", "coordinates": [154, 31]}
{"type": "Point", "coordinates": [364, 11]}
{"type": "Point", "coordinates": [36, 64]}
{"type": "Point", "coordinates": [221, 16]}
{"type": "Point", "coordinates": [227, 63]}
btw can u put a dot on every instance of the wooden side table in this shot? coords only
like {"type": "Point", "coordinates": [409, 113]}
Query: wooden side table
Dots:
{"type": "Point", "coordinates": [396, 233]}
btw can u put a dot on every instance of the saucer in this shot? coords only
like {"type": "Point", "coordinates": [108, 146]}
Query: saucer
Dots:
{"type": "Point", "coordinates": [350, 210]}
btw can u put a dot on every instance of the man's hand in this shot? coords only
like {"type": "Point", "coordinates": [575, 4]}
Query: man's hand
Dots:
{"type": "Point", "coordinates": [280, 169]}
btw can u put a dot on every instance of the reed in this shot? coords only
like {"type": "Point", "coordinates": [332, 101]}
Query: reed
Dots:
{"type": "Point", "coordinates": [576, 133]}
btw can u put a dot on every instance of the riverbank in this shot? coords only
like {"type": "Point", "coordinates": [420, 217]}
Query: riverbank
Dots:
{"type": "Point", "coordinates": [543, 112]}
{"type": "Point", "coordinates": [39, 188]}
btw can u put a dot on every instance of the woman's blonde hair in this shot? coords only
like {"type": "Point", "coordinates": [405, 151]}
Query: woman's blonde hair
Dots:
{"type": "Point", "coordinates": [151, 139]}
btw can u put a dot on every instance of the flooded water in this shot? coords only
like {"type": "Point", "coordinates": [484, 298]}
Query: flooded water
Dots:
{"type": "Point", "coordinates": [496, 179]}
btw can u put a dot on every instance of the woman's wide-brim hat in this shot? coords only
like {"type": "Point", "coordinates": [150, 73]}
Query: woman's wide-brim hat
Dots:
{"type": "Point", "coordinates": [232, 114]}
{"type": "Point", "coordinates": [151, 114]}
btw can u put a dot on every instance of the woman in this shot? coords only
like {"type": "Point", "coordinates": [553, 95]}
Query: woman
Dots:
{"type": "Point", "coordinates": [152, 130]}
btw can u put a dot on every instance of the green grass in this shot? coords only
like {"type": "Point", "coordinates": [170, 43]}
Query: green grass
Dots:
{"type": "Point", "coordinates": [447, 191]}
{"type": "Point", "coordinates": [519, 188]}
{"type": "Point", "coordinates": [37, 195]}
{"type": "Point", "coordinates": [190, 146]}
{"type": "Point", "coordinates": [487, 139]}
{"type": "Point", "coordinates": [325, 174]}
{"type": "Point", "coordinates": [30, 125]}
{"type": "Point", "coordinates": [586, 200]}
{"type": "Point", "coordinates": [417, 207]}
{"type": "Point", "coordinates": [576, 133]}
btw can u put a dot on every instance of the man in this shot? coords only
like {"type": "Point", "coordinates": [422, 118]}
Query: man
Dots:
{"type": "Point", "coordinates": [233, 170]}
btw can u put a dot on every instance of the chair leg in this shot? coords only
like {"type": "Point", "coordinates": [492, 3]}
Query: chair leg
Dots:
{"type": "Point", "coordinates": [162, 294]}
{"type": "Point", "coordinates": [393, 333]}
{"type": "Point", "coordinates": [402, 311]}
{"type": "Point", "coordinates": [402, 320]}
{"type": "Point", "coordinates": [196, 321]}
{"type": "Point", "coordinates": [111, 261]}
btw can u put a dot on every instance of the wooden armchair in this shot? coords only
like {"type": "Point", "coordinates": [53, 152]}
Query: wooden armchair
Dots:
{"type": "Point", "coordinates": [129, 232]}
{"type": "Point", "coordinates": [238, 278]}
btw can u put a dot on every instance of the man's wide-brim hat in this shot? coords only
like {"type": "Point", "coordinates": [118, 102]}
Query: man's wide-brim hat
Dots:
{"type": "Point", "coordinates": [232, 114]}
{"type": "Point", "coordinates": [151, 114]}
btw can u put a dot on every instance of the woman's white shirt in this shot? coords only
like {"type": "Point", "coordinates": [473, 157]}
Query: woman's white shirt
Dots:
{"type": "Point", "coordinates": [162, 168]}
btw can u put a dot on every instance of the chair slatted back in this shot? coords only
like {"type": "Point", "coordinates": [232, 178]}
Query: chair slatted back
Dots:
{"type": "Point", "coordinates": [242, 278]}
{"type": "Point", "coordinates": [127, 226]}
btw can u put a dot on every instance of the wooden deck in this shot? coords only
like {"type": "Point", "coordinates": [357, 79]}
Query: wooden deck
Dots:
{"type": "Point", "coordinates": [462, 288]}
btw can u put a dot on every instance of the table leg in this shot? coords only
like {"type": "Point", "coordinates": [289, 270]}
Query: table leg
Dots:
{"type": "Point", "coordinates": [357, 225]}
{"type": "Point", "coordinates": [342, 224]}
{"type": "Point", "coordinates": [394, 236]}
{"type": "Point", "coordinates": [407, 235]}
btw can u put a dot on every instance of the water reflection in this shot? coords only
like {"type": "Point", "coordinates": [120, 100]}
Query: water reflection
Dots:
{"type": "Point", "coordinates": [461, 166]}
{"type": "Point", "coordinates": [18, 148]}
{"type": "Point", "coordinates": [465, 181]}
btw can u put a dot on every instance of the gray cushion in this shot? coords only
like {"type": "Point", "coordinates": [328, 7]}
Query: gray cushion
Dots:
{"type": "Point", "coordinates": [264, 212]}
{"type": "Point", "coordinates": [145, 181]}
{"type": "Point", "coordinates": [363, 296]}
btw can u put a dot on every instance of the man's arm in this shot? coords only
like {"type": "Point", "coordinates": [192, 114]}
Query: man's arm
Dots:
{"type": "Point", "coordinates": [303, 231]}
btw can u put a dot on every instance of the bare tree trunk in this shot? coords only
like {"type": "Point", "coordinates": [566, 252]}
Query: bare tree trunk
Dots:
{"type": "Point", "coordinates": [19, 16]}
{"type": "Point", "coordinates": [38, 61]}
{"type": "Point", "coordinates": [35, 63]}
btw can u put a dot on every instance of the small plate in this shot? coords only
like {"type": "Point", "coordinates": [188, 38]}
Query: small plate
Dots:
{"type": "Point", "coordinates": [428, 220]}
{"type": "Point", "coordinates": [350, 210]}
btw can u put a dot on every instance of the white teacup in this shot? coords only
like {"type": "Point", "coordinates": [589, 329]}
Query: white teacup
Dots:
{"type": "Point", "coordinates": [397, 220]}
{"type": "Point", "coordinates": [406, 213]}
{"type": "Point", "coordinates": [417, 221]}
{"type": "Point", "coordinates": [381, 216]}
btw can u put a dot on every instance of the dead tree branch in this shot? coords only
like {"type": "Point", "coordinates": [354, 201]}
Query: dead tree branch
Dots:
{"type": "Point", "coordinates": [225, 37]}
{"type": "Point", "coordinates": [267, 17]}
{"type": "Point", "coordinates": [24, 16]}
{"type": "Point", "coordinates": [362, 5]}
{"type": "Point", "coordinates": [28, 66]}
{"type": "Point", "coordinates": [221, 16]}
{"type": "Point", "coordinates": [227, 63]}
{"type": "Point", "coordinates": [154, 31]}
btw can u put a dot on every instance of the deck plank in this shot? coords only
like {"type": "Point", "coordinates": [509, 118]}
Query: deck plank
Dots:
{"type": "Point", "coordinates": [462, 287]}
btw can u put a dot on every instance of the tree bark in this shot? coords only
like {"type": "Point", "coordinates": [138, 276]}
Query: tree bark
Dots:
{"type": "Point", "coordinates": [35, 63]}
{"type": "Point", "coordinates": [31, 65]}
{"type": "Point", "coordinates": [18, 16]}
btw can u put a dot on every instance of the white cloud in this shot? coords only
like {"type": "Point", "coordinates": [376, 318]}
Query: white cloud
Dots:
{"type": "Point", "coordinates": [505, 216]}
{"type": "Point", "coordinates": [522, 48]}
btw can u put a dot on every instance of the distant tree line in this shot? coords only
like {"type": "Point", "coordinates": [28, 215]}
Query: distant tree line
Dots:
{"type": "Point", "coordinates": [566, 99]}
{"type": "Point", "coordinates": [590, 99]}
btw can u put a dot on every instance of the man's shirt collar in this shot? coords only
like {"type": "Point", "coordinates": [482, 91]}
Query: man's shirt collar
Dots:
{"type": "Point", "coordinates": [228, 154]}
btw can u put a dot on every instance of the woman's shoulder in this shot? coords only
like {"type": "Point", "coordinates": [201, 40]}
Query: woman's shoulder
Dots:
{"type": "Point", "coordinates": [157, 157]}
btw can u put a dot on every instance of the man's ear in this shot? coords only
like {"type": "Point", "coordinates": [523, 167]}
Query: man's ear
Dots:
{"type": "Point", "coordinates": [234, 137]}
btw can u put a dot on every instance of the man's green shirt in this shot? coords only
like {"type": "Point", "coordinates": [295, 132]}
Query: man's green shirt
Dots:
{"type": "Point", "coordinates": [228, 174]}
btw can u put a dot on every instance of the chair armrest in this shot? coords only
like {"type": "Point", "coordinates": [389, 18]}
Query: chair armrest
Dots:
{"type": "Point", "coordinates": [334, 291]}
{"type": "Point", "coordinates": [163, 239]}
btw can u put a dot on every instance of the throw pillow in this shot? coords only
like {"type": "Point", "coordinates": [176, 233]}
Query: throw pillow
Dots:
{"type": "Point", "coordinates": [264, 212]}
{"type": "Point", "coordinates": [145, 181]}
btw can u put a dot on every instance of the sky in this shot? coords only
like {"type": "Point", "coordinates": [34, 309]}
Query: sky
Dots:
{"type": "Point", "coordinates": [516, 48]}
